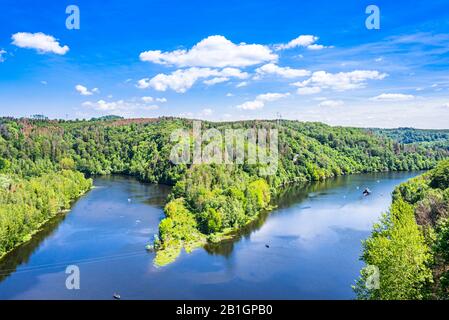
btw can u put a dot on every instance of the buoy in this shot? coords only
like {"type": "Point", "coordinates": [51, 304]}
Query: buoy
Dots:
{"type": "Point", "coordinates": [116, 296]}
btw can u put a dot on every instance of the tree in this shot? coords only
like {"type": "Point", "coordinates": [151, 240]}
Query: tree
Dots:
{"type": "Point", "coordinates": [398, 249]}
{"type": "Point", "coordinates": [67, 164]}
{"type": "Point", "coordinates": [4, 165]}
{"type": "Point", "coordinates": [214, 222]}
{"type": "Point", "coordinates": [440, 176]}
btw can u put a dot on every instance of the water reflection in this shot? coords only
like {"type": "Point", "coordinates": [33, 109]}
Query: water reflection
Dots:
{"type": "Point", "coordinates": [22, 254]}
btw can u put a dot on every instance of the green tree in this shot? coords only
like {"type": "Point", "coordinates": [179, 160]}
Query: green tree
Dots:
{"type": "Point", "coordinates": [67, 164]}
{"type": "Point", "coordinates": [398, 249]}
{"type": "Point", "coordinates": [440, 176]}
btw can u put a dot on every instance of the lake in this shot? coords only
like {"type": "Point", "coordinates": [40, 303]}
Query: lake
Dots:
{"type": "Point", "coordinates": [313, 237]}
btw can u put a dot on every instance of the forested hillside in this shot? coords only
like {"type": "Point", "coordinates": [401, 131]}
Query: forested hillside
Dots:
{"type": "Point", "coordinates": [411, 135]}
{"type": "Point", "coordinates": [208, 201]}
{"type": "Point", "coordinates": [26, 204]}
{"type": "Point", "coordinates": [410, 245]}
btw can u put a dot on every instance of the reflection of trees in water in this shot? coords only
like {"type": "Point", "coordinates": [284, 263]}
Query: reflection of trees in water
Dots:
{"type": "Point", "coordinates": [288, 197]}
{"type": "Point", "coordinates": [22, 254]}
{"type": "Point", "coordinates": [147, 193]}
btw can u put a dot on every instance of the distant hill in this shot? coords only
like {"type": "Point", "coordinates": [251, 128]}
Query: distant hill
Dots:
{"type": "Point", "coordinates": [411, 135]}
{"type": "Point", "coordinates": [107, 118]}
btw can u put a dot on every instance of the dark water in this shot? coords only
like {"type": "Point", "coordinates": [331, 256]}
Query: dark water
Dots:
{"type": "Point", "coordinates": [314, 244]}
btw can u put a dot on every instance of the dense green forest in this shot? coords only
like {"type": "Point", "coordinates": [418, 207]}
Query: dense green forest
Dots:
{"type": "Point", "coordinates": [411, 135]}
{"type": "Point", "coordinates": [25, 204]}
{"type": "Point", "coordinates": [410, 245]}
{"type": "Point", "coordinates": [208, 202]}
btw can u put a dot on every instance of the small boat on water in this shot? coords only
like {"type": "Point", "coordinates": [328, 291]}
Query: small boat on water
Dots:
{"type": "Point", "coordinates": [366, 192]}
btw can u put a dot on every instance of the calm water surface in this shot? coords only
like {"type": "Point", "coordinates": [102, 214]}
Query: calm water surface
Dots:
{"type": "Point", "coordinates": [314, 239]}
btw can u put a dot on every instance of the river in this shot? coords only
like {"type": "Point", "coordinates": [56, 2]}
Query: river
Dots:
{"type": "Point", "coordinates": [313, 237]}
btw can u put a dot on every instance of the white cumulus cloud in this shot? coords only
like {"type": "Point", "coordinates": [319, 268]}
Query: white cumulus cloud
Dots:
{"type": "Point", "coordinates": [147, 99]}
{"type": "Point", "coordinates": [2, 52]}
{"type": "Point", "coordinates": [183, 79]}
{"type": "Point", "coordinates": [84, 91]}
{"type": "Point", "coordinates": [260, 101]}
{"type": "Point", "coordinates": [393, 97]}
{"type": "Point", "coordinates": [305, 41]}
{"type": "Point", "coordinates": [39, 41]}
{"type": "Point", "coordinates": [120, 107]}
{"type": "Point", "coordinates": [285, 72]}
{"type": "Point", "coordinates": [241, 84]}
{"type": "Point", "coordinates": [214, 51]}
{"type": "Point", "coordinates": [308, 90]}
{"type": "Point", "coordinates": [341, 81]}
{"type": "Point", "coordinates": [216, 80]}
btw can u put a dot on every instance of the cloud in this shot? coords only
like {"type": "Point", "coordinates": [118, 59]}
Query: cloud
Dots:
{"type": "Point", "coordinates": [119, 106]}
{"type": "Point", "coordinates": [214, 51]}
{"type": "Point", "coordinates": [317, 47]}
{"type": "Point", "coordinates": [2, 52]}
{"type": "Point", "coordinates": [41, 42]}
{"type": "Point", "coordinates": [341, 81]}
{"type": "Point", "coordinates": [84, 91]}
{"type": "Point", "coordinates": [241, 84]}
{"type": "Point", "coordinates": [308, 90]}
{"type": "Point", "coordinates": [260, 101]}
{"type": "Point", "coordinates": [216, 80]}
{"type": "Point", "coordinates": [285, 72]}
{"type": "Point", "coordinates": [148, 99]}
{"type": "Point", "coordinates": [305, 41]}
{"type": "Point", "coordinates": [331, 103]}
{"type": "Point", "coordinates": [251, 105]}
{"type": "Point", "coordinates": [183, 79]}
{"type": "Point", "coordinates": [143, 83]}
{"type": "Point", "coordinates": [393, 97]}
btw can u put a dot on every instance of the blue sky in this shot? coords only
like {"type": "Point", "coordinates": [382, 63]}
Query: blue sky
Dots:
{"type": "Point", "coordinates": [228, 60]}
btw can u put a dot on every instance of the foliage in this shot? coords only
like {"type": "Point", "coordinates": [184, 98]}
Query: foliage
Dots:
{"type": "Point", "coordinates": [28, 203]}
{"type": "Point", "coordinates": [397, 248]}
{"type": "Point", "coordinates": [411, 135]}
{"type": "Point", "coordinates": [440, 176]}
{"type": "Point", "coordinates": [411, 244]}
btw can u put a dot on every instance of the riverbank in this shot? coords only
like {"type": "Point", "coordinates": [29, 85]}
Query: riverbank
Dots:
{"type": "Point", "coordinates": [27, 205]}
{"type": "Point", "coordinates": [410, 242]}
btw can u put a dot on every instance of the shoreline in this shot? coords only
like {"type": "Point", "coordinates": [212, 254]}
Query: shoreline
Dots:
{"type": "Point", "coordinates": [28, 237]}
